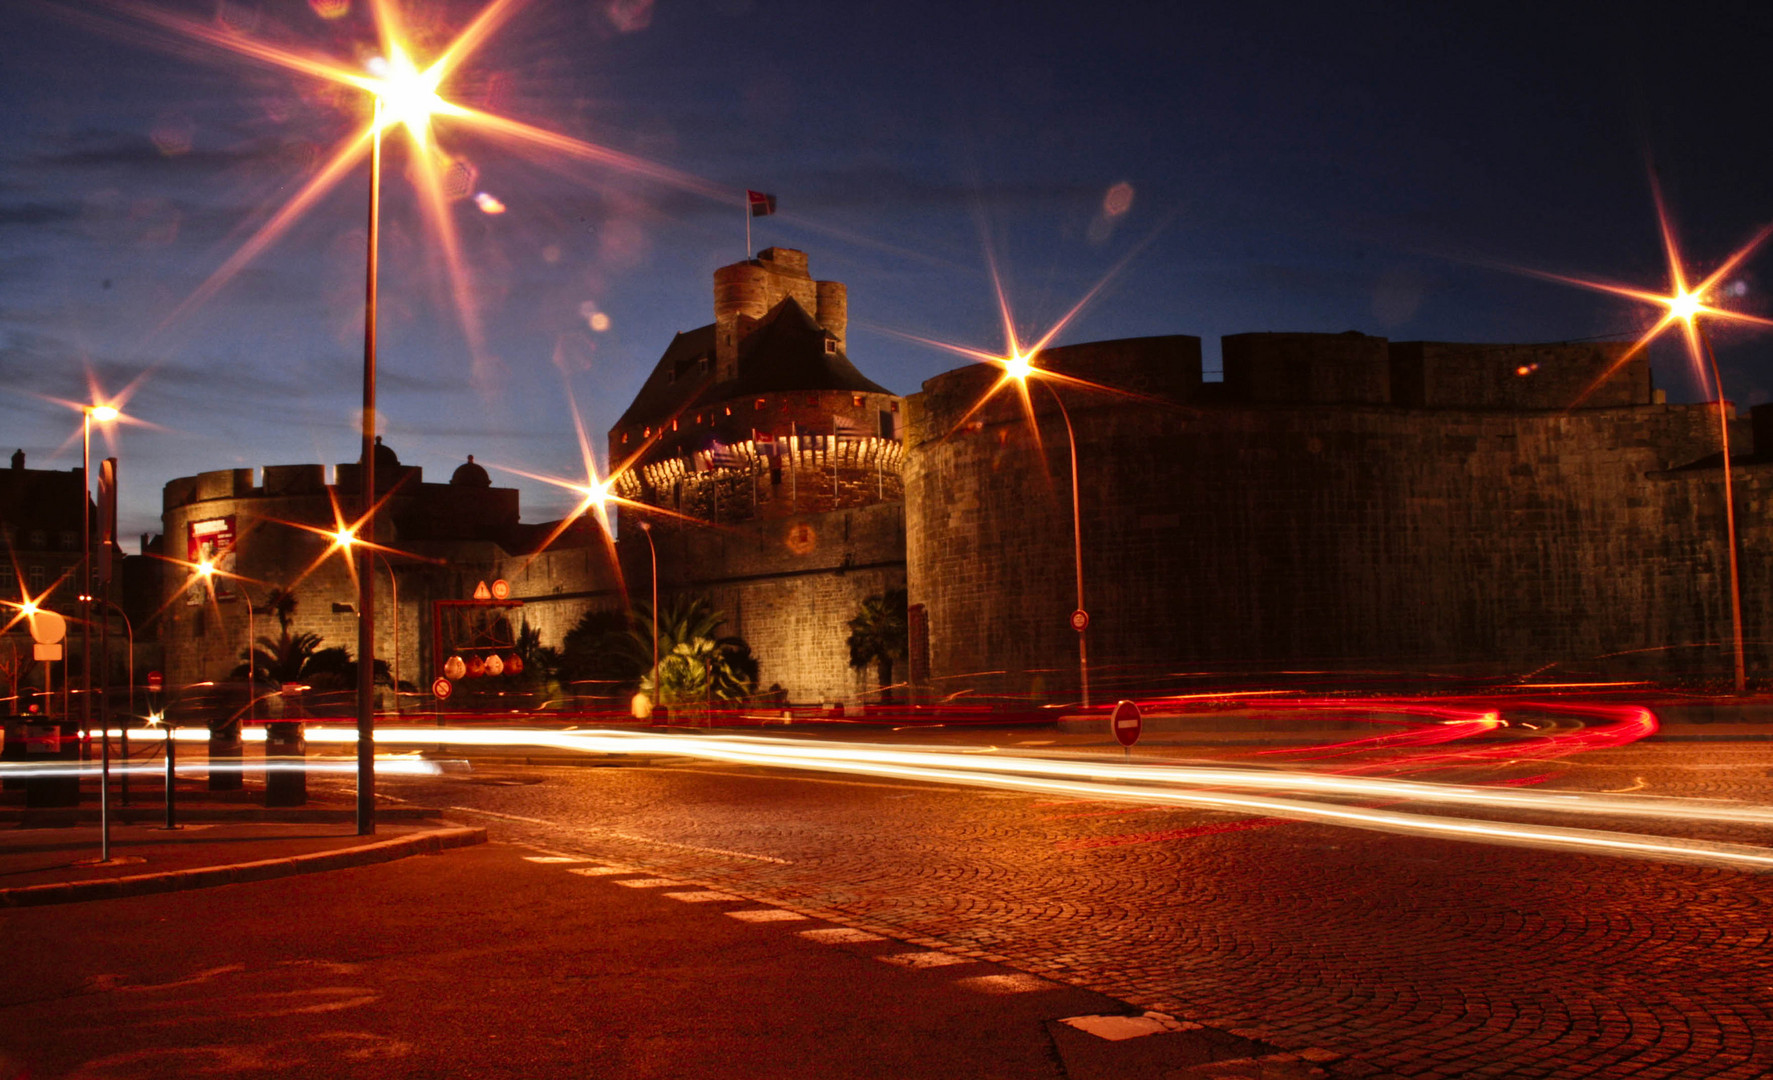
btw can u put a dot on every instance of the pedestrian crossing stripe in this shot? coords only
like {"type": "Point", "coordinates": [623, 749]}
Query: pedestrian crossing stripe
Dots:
{"type": "Point", "coordinates": [765, 915]}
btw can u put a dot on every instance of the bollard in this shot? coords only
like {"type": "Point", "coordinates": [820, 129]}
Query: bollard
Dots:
{"type": "Point", "coordinates": [286, 774]}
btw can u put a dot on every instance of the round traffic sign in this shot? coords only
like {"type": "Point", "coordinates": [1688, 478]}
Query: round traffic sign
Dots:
{"type": "Point", "coordinates": [47, 628]}
{"type": "Point", "coordinates": [1080, 620]}
{"type": "Point", "coordinates": [156, 681]}
{"type": "Point", "coordinates": [1126, 723]}
{"type": "Point", "coordinates": [440, 688]}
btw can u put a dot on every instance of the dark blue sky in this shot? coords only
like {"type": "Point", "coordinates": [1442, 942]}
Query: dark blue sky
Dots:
{"type": "Point", "coordinates": [1293, 167]}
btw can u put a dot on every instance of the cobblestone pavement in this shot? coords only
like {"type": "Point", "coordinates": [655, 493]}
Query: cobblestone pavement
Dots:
{"type": "Point", "coordinates": [1411, 957]}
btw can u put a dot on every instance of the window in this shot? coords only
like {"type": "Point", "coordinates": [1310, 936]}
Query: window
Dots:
{"type": "Point", "coordinates": [830, 346]}
{"type": "Point", "coordinates": [856, 400]}
{"type": "Point", "coordinates": [759, 406]}
{"type": "Point", "coordinates": [39, 539]}
{"type": "Point", "coordinates": [886, 424]}
{"type": "Point", "coordinates": [70, 540]}
{"type": "Point", "coordinates": [36, 576]}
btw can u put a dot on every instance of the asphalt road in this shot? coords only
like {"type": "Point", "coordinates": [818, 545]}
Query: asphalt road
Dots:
{"type": "Point", "coordinates": [1409, 957]}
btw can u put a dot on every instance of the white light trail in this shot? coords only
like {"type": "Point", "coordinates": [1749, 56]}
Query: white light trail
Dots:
{"type": "Point", "coordinates": [1214, 788]}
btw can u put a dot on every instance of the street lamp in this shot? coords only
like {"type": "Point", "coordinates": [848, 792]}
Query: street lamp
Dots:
{"type": "Point", "coordinates": [1019, 366]}
{"type": "Point", "coordinates": [652, 550]}
{"type": "Point", "coordinates": [103, 414]}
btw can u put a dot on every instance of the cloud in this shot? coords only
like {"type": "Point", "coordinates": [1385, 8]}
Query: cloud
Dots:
{"type": "Point", "coordinates": [104, 150]}
{"type": "Point", "coordinates": [38, 213]}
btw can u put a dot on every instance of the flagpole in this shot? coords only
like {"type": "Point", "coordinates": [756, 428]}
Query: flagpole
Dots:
{"type": "Point", "coordinates": [747, 226]}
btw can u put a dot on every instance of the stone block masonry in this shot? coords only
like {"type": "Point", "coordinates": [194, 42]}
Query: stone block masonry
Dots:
{"type": "Point", "coordinates": [1225, 533]}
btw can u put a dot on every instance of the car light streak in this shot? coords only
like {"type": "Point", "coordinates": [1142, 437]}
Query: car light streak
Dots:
{"type": "Point", "coordinates": [1231, 789]}
{"type": "Point", "coordinates": [1097, 780]}
{"type": "Point", "coordinates": [400, 765]}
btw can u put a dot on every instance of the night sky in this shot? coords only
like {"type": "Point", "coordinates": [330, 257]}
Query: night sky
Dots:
{"type": "Point", "coordinates": [1310, 167]}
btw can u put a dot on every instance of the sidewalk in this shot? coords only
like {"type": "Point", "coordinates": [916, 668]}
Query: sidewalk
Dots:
{"type": "Point", "coordinates": [52, 856]}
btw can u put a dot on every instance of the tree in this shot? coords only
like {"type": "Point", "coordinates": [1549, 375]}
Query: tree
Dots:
{"type": "Point", "coordinates": [880, 634]}
{"type": "Point", "coordinates": [297, 657]}
{"type": "Point", "coordinates": [597, 651]}
{"type": "Point", "coordinates": [695, 663]}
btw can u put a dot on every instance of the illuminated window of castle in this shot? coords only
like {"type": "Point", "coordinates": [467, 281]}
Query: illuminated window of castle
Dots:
{"type": "Point", "coordinates": [759, 405]}
{"type": "Point", "coordinates": [856, 400]}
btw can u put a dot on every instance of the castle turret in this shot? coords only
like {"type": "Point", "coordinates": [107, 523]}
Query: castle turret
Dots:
{"type": "Point", "coordinates": [745, 292]}
{"type": "Point", "coordinates": [833, 310]}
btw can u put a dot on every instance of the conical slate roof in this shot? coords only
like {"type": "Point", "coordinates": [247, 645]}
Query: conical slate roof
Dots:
{"type": "Point", "coordinates": [784, 352]}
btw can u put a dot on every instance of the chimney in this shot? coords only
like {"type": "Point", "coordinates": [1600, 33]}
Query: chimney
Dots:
{"type": "Point", "coordinates": [18, 459]}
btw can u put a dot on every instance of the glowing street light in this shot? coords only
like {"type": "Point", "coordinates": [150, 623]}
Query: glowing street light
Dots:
{"type": "Point", "coordinates": [1686, 306]}
{"type": "Point", "coordinates": [104, 413]}
{"type": "Point", "coordinates": [1020, 367]}
{"type": "Point", "coordinates": [647, 528]}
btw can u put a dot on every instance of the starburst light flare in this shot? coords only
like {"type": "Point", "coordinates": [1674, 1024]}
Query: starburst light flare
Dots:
{"type": "Point", "coordinates": [411, 96]}
{"type": "Point", "coordinates": [1683, 304]}
{"type": "Point", "coordinates": [1018, 360]}
{"type": "Point", "coordinates": [596, 494]}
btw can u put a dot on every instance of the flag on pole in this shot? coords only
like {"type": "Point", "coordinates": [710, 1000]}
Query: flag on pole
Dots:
{"type": "Point", "coordinates": [761, 205]}
{"type": "Point", "coordinates": [766, 443]}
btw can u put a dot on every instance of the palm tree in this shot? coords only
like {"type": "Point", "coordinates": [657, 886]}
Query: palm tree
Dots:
{"type": "Point", "coordinates": [695, 663]}
{"type": "Point", "coordinates": [880, 634]}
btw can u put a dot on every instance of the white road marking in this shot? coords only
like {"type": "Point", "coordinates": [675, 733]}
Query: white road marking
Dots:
{"type": "Point", "coordinates": [701, 897]}
{"type": "Point", "coordinates": [839, 935]}
{"type": "Point", "coordinates": [649, 883]}
{"type": "Point", "coordinates": [601, 871]}
{"type": "Point", "coordinates": [1006, 984]}
{"type": "Point", "coordinates": [920, 960]}
{"type": "Point", "coordinates": [765, 915]}
{"type": "Point", "coordinates": [1116, 1028]}
{"type": "Point", "coordinates": [552, 859]}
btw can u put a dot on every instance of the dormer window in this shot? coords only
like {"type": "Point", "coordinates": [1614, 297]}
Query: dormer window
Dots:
{"type": "Point", "coordinates": [830, 346]}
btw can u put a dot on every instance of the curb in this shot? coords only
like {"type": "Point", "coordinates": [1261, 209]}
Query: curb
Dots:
{"type": "Point", "coordinates": [204, 877]}
{"type": "Point", "coordinates": [237, 815]}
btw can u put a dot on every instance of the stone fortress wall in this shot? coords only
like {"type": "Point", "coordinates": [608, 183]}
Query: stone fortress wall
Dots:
{"type": "Point", "coordinates": [451, 531]}
{"type": "Point", "coordinates": [1339, 501]}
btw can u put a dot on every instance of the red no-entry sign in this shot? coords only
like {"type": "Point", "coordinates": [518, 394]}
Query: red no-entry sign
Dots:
{"type": "Point", "coordinates": [155, 682]}
{"type": "Point", "coordinates": [1126, 723]}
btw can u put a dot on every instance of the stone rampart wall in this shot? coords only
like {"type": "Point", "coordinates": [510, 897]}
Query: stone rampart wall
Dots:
{"type": "Point", "coordinates": [1342, 536]}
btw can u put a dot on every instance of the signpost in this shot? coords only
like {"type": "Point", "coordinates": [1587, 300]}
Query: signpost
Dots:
{"type": "Point", "coordinates": [1080, 620]}
{"type": "Point", "coordinates": [1126, 723]}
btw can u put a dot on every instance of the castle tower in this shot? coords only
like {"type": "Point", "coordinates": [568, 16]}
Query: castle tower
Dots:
{"type": "Point", "coordinates": [776, 465]}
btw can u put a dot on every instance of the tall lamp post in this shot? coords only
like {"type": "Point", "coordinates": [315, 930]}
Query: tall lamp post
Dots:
{"type": "Point", "coordinates": [1717, 381]}
{"type": "Point", "coordinates": [366, 591]}
{"type": "Point", "coordinates": [1020, 368]}
{"type": "Point", "coordinates": [647, 528]}
{"type": "Point", "coordinates": [103, 414]}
